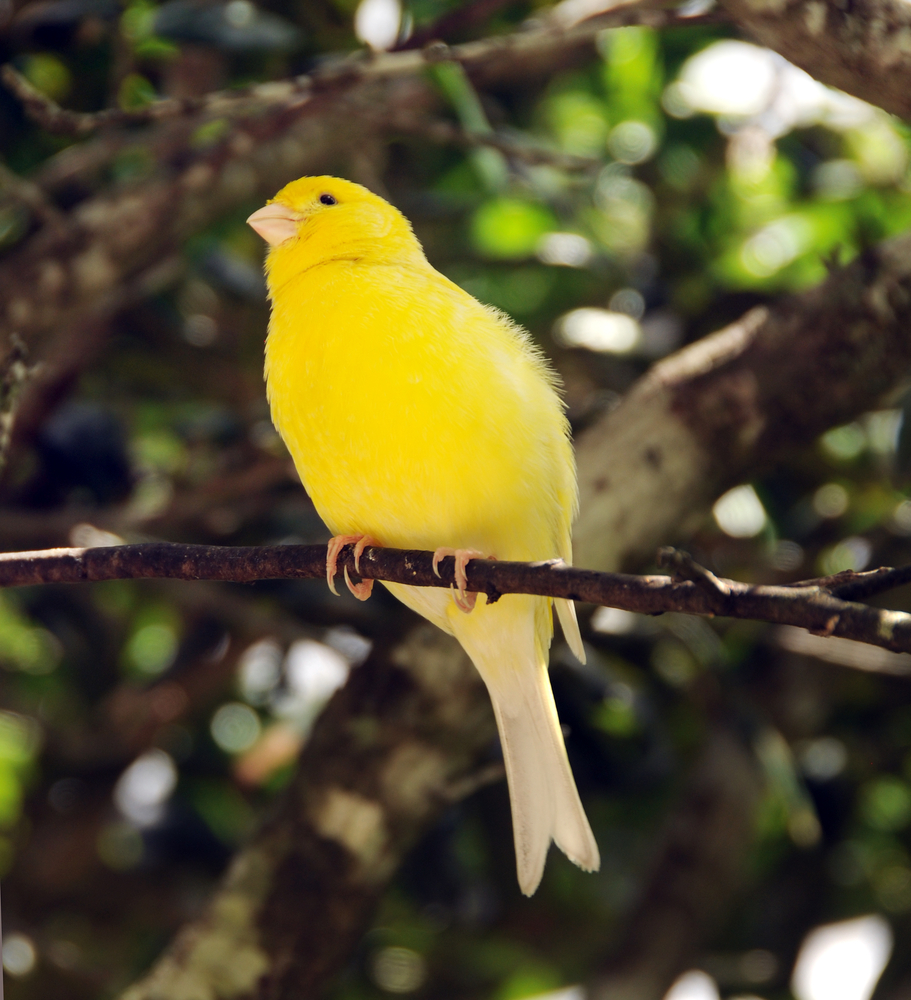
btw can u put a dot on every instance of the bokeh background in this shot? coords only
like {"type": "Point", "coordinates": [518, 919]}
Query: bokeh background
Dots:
{"type": "Point", "coordinates": [636, 202]}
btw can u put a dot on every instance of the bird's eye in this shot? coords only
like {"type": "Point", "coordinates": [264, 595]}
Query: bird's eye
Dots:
{"type": "Point", "coordinates": [327, 199]}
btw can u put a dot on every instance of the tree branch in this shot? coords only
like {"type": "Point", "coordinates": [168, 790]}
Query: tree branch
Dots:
{"type": "Point", "coordinates": [387, 757]}
{"type": "Point", "coordinates": [342, 74]}
{"type": "Point", "coordinates": [862, 47]}
{"type": "Point", "coordinates": [852, 586]}
{"type": "Point", "coordinates": [813, 606]}
{"type": "Point", "coordinates": [14, 373]}
{"type": "Point", "coordinates": [774, 380]}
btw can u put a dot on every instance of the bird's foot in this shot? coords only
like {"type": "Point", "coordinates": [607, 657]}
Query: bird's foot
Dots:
{"type": "Point", "coordinates": [464, 601]}
{"type": "Point", "coordinates": [360, 590]}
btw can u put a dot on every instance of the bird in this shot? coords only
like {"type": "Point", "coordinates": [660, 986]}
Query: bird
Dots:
{"type": "Point", "coordinates": [419, 418]}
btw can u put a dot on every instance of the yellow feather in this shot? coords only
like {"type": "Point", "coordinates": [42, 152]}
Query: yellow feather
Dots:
{"type": "Point", "coordinates": [424, 419]}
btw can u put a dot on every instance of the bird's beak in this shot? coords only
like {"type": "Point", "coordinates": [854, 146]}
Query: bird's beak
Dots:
{"type": "Point", "coordinates": [275, 223]}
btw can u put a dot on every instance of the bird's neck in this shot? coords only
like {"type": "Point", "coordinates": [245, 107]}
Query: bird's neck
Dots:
{"type": "Point", "coordinates": [288, 260]}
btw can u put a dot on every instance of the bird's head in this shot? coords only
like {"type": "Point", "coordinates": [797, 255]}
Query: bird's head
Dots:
{"type": "Point", "coordinates": [316, 219]}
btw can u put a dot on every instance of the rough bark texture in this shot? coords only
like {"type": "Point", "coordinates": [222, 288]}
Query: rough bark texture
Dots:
{"type": "Point", "coordinates": [862, 47]}
{"type": "Point", "coordinates": [389, 754]}
{"type": "Point", "coordinates": [816, 606]}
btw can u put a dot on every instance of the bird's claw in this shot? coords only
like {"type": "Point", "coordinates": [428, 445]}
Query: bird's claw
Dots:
{"type": "Point", "coordinates": [360, 590]}
{"type": "Point", "coordinates": [464, 601]}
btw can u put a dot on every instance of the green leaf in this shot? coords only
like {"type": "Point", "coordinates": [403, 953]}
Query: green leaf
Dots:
{"type": "Point", "coordinates": [510, 228]}
{"type": "Point", "coordinates": [135, 92]}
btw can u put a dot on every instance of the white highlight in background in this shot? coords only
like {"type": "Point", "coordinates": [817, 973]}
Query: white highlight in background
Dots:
{"type": "Point", "coordinates": [144, 788]}
{"type": "Point", "coordinates": [843, 961]}
{"type": "Point", "coordinates": [260, 670]}
{"type": "Point", "coordinates": [614, 621]}
{"type": "Point", "coordinates": [740, 513]}
{"type": "Point", "coordinates": [565, 249]}
{"type": "Point", "coordinates": [599, 330]}
{"type": "Point", "coordinates": [745, 81]}
{"type": "Point", "coordinates": [235, 727]}
{"type": "Point", "coordinates": [377, 23]}
{"type": "Point", "coordinates": [19, 955]}
{"type": "Point", "coordinates": [313, 672]}
{"type": "Point", "coordinates": [566, 993]}
{"type": "Point", "coordinates": [729, 78]}
{"type": "Point", "coordinates": [693, 985]}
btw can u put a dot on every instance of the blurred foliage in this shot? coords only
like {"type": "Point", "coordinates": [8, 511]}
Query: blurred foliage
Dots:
{"type": "Point", "coordinates": [682, 210]}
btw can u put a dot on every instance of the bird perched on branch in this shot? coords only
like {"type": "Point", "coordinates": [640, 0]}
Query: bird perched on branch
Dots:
{"type": "Point", "coordinates": [419, 418]}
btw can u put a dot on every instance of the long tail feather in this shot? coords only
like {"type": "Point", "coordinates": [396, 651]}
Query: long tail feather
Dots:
{"type": "Point", "coordinates": [545, 802]}
{"type": "Point", "coordinates": [543, 796]}
{"type": "Point", "coordinates": [566, 612]}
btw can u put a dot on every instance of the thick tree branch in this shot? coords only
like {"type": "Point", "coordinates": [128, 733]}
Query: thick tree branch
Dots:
{"type": "Point", "coordinates": [387, 757]}
{"type": "Point", "coordinates": [774, 380]}
{"type": "Point", "coordinates": [862, 47]}
{"type": "Point", "coordinates": [813, 607]}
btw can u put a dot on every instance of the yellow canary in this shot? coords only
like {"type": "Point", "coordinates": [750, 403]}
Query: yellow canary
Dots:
{"type": "Point", "coordinates": [419, 418]}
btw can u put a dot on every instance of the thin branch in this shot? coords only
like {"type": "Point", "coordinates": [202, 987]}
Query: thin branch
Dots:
{"type": "Point", "coordinates": [29, 194]}
{"type": "Point", "coordinates": [342, 74]}
{"type": "Point", "coordinates": [52, 118]}
{"type": "Point", "coordinates": [812, 607]}
{"type": "Point", "coordinates": [514, 147]}
{"type": "Point", "coordinates": [852, 586]}
{"type": "Point", "coordinates": [14, 373]}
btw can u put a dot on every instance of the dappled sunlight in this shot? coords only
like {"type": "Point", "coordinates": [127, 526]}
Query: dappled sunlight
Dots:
{"type": "Point", "coordinates": [693, 985]}
{"type": "Point", "coordinates": [660, 205]}
{"type": "Point", "coordinates": [842, 961]}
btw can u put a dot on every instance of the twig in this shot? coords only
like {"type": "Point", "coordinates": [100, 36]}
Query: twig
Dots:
{"type": "Point", "coordinates": [338, 75]}
{"type": "Point", "coordinates": [29, 194]}
{"type": "Point", "coordinates": [811, 607]}
{"type": "Point", "coordinates": [686, 568]}
{"type": "Point", "coordinates": [513, 147]}
{"type": "Point", "coordinates": [14, 373]}
{"type": "Point", "coordinates": [852, 586]}
{"type": "Point", "coordinates": [52, 118]}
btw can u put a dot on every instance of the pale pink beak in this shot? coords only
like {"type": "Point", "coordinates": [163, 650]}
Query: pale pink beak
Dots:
{"type": "Point", "coordinates": [275, 223]}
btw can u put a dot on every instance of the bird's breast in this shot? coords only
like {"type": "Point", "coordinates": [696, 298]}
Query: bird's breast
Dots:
{"type": "Point", "coordinates": [415, 415]}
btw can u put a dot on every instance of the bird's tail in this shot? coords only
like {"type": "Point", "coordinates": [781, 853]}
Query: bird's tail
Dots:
{"type": "Point", "coordinates": [542, 792]}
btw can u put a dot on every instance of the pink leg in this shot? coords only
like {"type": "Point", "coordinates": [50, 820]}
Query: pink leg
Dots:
{"type": "Point", "coordinates": [464, 601]}
{"type": "Point", "coordinates": [360, 590]}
